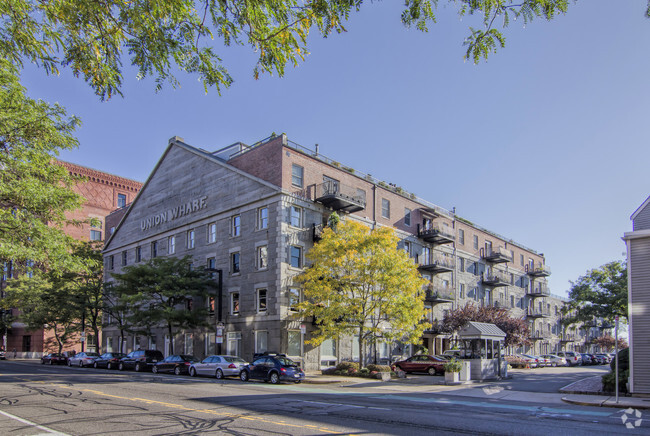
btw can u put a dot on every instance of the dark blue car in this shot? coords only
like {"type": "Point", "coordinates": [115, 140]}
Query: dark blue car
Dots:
{"type": "Point", "coordinates": [273, 369]}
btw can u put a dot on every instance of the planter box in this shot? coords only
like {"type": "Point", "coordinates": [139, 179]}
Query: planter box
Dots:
{"type": "Point", "coordinates": [452, 377]}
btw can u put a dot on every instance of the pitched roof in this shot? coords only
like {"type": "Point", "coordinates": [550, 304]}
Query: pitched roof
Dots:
{"type": "Point", "coordinates": [481, 330]}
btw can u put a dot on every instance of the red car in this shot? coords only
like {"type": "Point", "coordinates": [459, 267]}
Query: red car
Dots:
{"type": "Point", "coordinates": [421, 363]}
{"type": "Point", "coordinates": [54, 359]}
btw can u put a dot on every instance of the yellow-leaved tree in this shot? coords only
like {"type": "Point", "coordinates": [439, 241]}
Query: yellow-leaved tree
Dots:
{"type": "Point", "coordinates": [359, 283]}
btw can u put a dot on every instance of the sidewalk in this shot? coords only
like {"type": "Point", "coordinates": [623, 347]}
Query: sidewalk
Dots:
{"type": "Point", "coordinates": [589, 392]}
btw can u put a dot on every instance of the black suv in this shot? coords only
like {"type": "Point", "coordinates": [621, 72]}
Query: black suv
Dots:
{"type": "Point", "coordinates": [140, 360]}
{"type": "Point", "coordinates": [272, 368]}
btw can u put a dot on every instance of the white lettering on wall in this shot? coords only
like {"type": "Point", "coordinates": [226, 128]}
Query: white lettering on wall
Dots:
{"type": "Point", "coordinates": [173, 213]}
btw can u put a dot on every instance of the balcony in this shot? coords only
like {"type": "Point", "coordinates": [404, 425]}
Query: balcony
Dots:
{"type": "Point", "coordinates": [568, 338]}
{"type": "Point", "coordinates": [439, 294]}
{"type": "Point", "coordinates": [436, 264]}
{"type": "Point", "coordinates": [538, 271]}
{"type": "Point", "coordinates": [495, 279]}
{"type": "Point", "coordinates": [537, 336]}
{"type": "Point", "coordinates": [537, 313]}
{"type": "Point", "coordinates": [540, 290]}
{"type": "Point", "coordinates": [340, 197]}
{"type": "Point", "coordinates": [436, 234]}
{"type": "Point", "coordinates": [496, 255]}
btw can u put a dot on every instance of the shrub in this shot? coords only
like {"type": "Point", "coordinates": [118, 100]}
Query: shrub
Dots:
{"type": "Point", "coordinates": [328, 371]}
{"type": "Point", "coordinates": [452, 366]}
{"type": "Point", "coordinates": [364, 371]}
{"type": "Point", "coordinates": [345, 366]}
{"type": "Point", "coordinates": [379, 368]}
{"type": "Point", "coordinates": [609, 381]}
{"type": "Point", "coordinates": [623, 360]}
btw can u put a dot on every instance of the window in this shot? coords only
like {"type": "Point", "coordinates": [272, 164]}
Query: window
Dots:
{"type": "Point", "coordinates": [262, 257]}
{"type": "Point", "coordinates": [263, 218]}
{"type": "Point", "coordinates": [488, 248]}
{"type": "Point", "coordinates": [296, 216]}
{"type": "Point", "coordinates": [426, 256]}
{"type": "Point", "coordinates": [211, 263]}
{"type": "Point", "coordinates": [261, 300]}
{"type": "Point", "coordinates": [296, 256]}
{"type": "Point", "coordinates": [190, 239]}
{"type": "Point", "coordinates": [189, 343]}
{"type": "Point", "coordinates": [407, 248]}
{"type": "Point", "coordinates": [236, 225]}
{"type": "Point", "coordinates": [294, 299]}
{"type": "Point", "coordinates": [234, 263]}
{"type": "Point", "coordinates": [211, 302]}
{"type": "Point", "coordinates": [328, 353]}
{"type": "Point", "coordinates": [521, 259]}
{"type": "Point", "coordinates": [461, 236]}
{"type": "Point", "coordinates": [95, 235]}
{"type": "Point", "coordinates": [154, 249]}
{"type": "Point", "coordinates": [296, 175]}
{"type": "Point", "coordinates": [124, 258]}
{"type": "Point", "coordinates": [462, 290]}
{"type": "Point", "coordinates": [212, 233]}
{"type": "Point", "coordinates": [407, 217]}
{"type": "Point", "coordinates": [294, 343]}
{"type": "Point", "coordinates": [233, 345]}
{"type": "Point", "coordinates": [330, 185]}
{"type": "Point", "coordinates": [121, 200]}
{"type": "Point", "coordinates": [261, 341]}
{"type": "Point", "coordinates": [461, 264]}
{"type": "Point", "coordinates": [171, 245]}
{"type": "Point", "coordinates": [111, 263]}
{"type": "Point", "coordinates": [475, 242]}
{"type": "Point", "coordinates": [234, 303]}
{"type": "Point", "coordinates": [531, 264]}
{"type": "Point", "coordinates": [512, 301]}
{"type": "Point", "coordinates": [138, 254]}
{"type": "Point", "coordinates": [385, 208]}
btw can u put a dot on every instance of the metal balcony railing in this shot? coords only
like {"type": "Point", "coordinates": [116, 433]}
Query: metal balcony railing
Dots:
{"type": "Point", "coordinates": [340, 197]}
{"type": "Point", "coordinates": [436, 234]}
{"type": "Point", "coordinates": [538, 271]}
{"type": "Point", "coordinates": [437, 263]}
{"type": "Point", "coordinates": [496, 255]}
{"type": "Point", "coordinates": [439, 294]}
{"type": "Point", "coordinates": [540, 290]}
{"type": "Point", "coordinates": [495, 278]}
{"type": "Point", "coordinates": [537, 313]}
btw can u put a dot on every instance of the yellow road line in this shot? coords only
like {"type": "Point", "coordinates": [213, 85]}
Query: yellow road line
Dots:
{"type": "Point", "coordinates": [189, 409]}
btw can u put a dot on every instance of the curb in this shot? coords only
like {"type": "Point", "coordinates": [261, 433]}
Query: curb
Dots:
{"type": "Point", "coordinates": [607, 403]}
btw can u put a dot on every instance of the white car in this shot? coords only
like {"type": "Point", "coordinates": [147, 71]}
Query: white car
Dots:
{"type": "Point", "coordinates": [555, 360]}
{"type": "Point", "coordinates": [83, 359]}
{"type": "Point", "coordinates": [218, 366]}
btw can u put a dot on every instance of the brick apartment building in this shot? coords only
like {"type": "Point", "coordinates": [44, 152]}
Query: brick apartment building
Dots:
{"type": "Point", "coordinates": [253, 211]}
{"type": "Point", "coordinates": [103, 193]}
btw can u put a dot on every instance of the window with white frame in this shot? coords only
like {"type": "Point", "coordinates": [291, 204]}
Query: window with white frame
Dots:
{"type": "Point", "coordinates": [190, 239]}
{"type": "Point", "coordinates": [328, 353]}
{"type": "Point", "coordinates": [111, 262]}
{"type": "Point", "coordinates": [407, 248]}
{"type": "Point", "coordinates": [385, 208]}
{"type": "Point", "coordinates": [407, 217]}
{"type": "Point", "coordinates": [263, 218]}
{"type": "Point", "coordinates": [294, 299]}
{"type": "Point", "coordinates": [296, 256]}
{"type": "Point", "coordinates": [295, 218]}
{"type": "Point", "coordinates": [475, 242]}
{"type": "Point", "coordinates": [154, 249]}
{"type": "Point", "coordinates": [138, 254]}
{"type": "Point", "coordinates": [234, 262]}
{"type": "Point", "coordinates": [234, 303]}
{"type": "Point", "coordinates": [261, 300]}
{"type": "Point", "coordinates": [461, 236]}
{"type": "Point", "coordinates": [462, 290]}
{"type": "Point", "coordinates": [261, 341]}
{"type": "Point", "coordinates": [189, 343]}
{"type": "Point", "coordinates": [171, 245]}
{"type": "Point", "coordinates": [297, 173]}
{"type": "Point", "coordinates": [262, 257]}
{"type": "Point", "coordinates": [212, 233]}
{"type": "Point", "coordinates": [233, 343]}
{"type": "Point", "coordinates": [294, 343]}
{"type": "Point", "coordinates": [95, 235]}
{"type": "Point", "coordinates": [236, 225]}
{"type": "Point", "coordinates": [121, 200]}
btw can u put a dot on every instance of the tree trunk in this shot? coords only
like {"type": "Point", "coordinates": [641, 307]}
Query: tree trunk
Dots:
{"type": "Point", "coordinates": [171, 339]}
{"type": "Point", "coordinates": [361, 349]}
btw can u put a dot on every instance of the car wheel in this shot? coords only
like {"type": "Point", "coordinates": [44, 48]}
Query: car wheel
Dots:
{"type": "Point", "coordinates": [192, 372]}
{"type": "Point", "coordinates": [81, 364]}
{"type": "Point", "coordinates": [432, 371]}
{"type": "Point", "coordinates": [109, 366]}
{"type": "Point", "coordinates": [219, 374]}
{"type": "Point", "coordinates": [69, 363]}
{"type": "Point", "coordinates": [243, 376]}
{"type": "Point", "coordinates": [137, 367]}
{"type": "Point", "coordinates": [554, 364]}
{"type": "Point", "coordinates": [51, 362]}
{"type": "Point", "coordinates": [177, 370]}
{"type": "Point", "coordinates": [297, 382]}
{"type": "Point", "coordinates": [95, 365]}
{"type": "Point", "coordinates": [121, 367]}
{"type": "Point", "coordinates": [154, 369]}
{"type": "Point", "coordinates": [274, 378]}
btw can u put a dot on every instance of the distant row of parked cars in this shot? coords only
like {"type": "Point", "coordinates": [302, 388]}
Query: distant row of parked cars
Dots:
{"type": "Point", "coordinates": [271, 367]}
{"type": "Point", "coordinates": [561, 358]}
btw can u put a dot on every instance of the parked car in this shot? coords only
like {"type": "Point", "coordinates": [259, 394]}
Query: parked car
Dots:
{"type": "Point", "coordinates": [273, 369]}
{"type": "Point", "coordinates": [108, 360]}
{"type": "Point", "coordinates": [555, 360]}
{"type": "Point", "coordinates": [83, 359]}
{"type": "Point", "coordinates": [533, 361]}
{"type": "Point", "coordinates": [218, 366]}
{"type": "Point", "coordinates": [586, 359]}
{"type": "Point", "coordinates": [572, 358]}
{"type": "Point", "coordinates": [53, 359]}
{"type": "Point", "coordinates": [421, 363]}
{"type": "Point", "coordinates": [140, 360]}
{"type": "Point", "coordinates": [541, 361]}
{"type": "Point", "coordinates": [2, 355]}
{"type": "Point", "coordinates": [596, 360]}
{"type": "Point", "coordinates": [176, 363]}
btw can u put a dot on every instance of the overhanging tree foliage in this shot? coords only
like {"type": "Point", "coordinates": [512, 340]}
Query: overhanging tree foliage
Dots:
{"type": "Point", "coordinates": [516, 329]}
{"type": "Point", "coordinates": [164, 36]}
{"type": "Point", "coordinates": [359, 283]}
{"type": "Point", "coordinates": [164, 291]}
{"type": "Point", "coordinates": [601, 294]}
{"type": "Point", "coordinates": [608, 343]}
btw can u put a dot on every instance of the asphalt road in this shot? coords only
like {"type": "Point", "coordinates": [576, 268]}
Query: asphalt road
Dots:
{"type": "Point", "coordinates": [37, 399]}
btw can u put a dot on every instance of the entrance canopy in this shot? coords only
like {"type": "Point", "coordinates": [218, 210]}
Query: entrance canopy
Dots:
{"type": "Point", "coordinates": [481, 330]}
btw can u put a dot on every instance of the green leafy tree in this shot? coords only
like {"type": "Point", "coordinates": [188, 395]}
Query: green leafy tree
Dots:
{"type": "Point", "coordinates": [516, 329]}
{"type": "Point", "coordinates": [164, 36]}
{"type": "Point", "coordinates": [601, 294]}
{"type": "Point", "coordinates": [165, 291]}
{"type": "Point", "coordinates": [359, 283]}
{"type": "Point", "coordinates": [608, 343]}
{"type": "Point", "coordinates": [34, 193]}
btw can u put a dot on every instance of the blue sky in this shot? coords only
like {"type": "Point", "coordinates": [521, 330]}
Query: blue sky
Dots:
{"type": "Point", "coordinates": [546, 143]}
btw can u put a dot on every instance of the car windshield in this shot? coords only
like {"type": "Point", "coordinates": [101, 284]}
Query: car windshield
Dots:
{"type": "Point", "coordinates": [92, 354]}
{"type": "Point", "coordinates": [234, 359]}
{"type": "Point", "coordinates": [286, 362]}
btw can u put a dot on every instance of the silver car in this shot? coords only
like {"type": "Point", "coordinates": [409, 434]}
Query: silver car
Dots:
{"type": "Point", "coordinates": [218, 366]}
{"type": "Point", "coordinates": [83, 359]}
{"type": "Point", "coordinates": [555, 360]}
